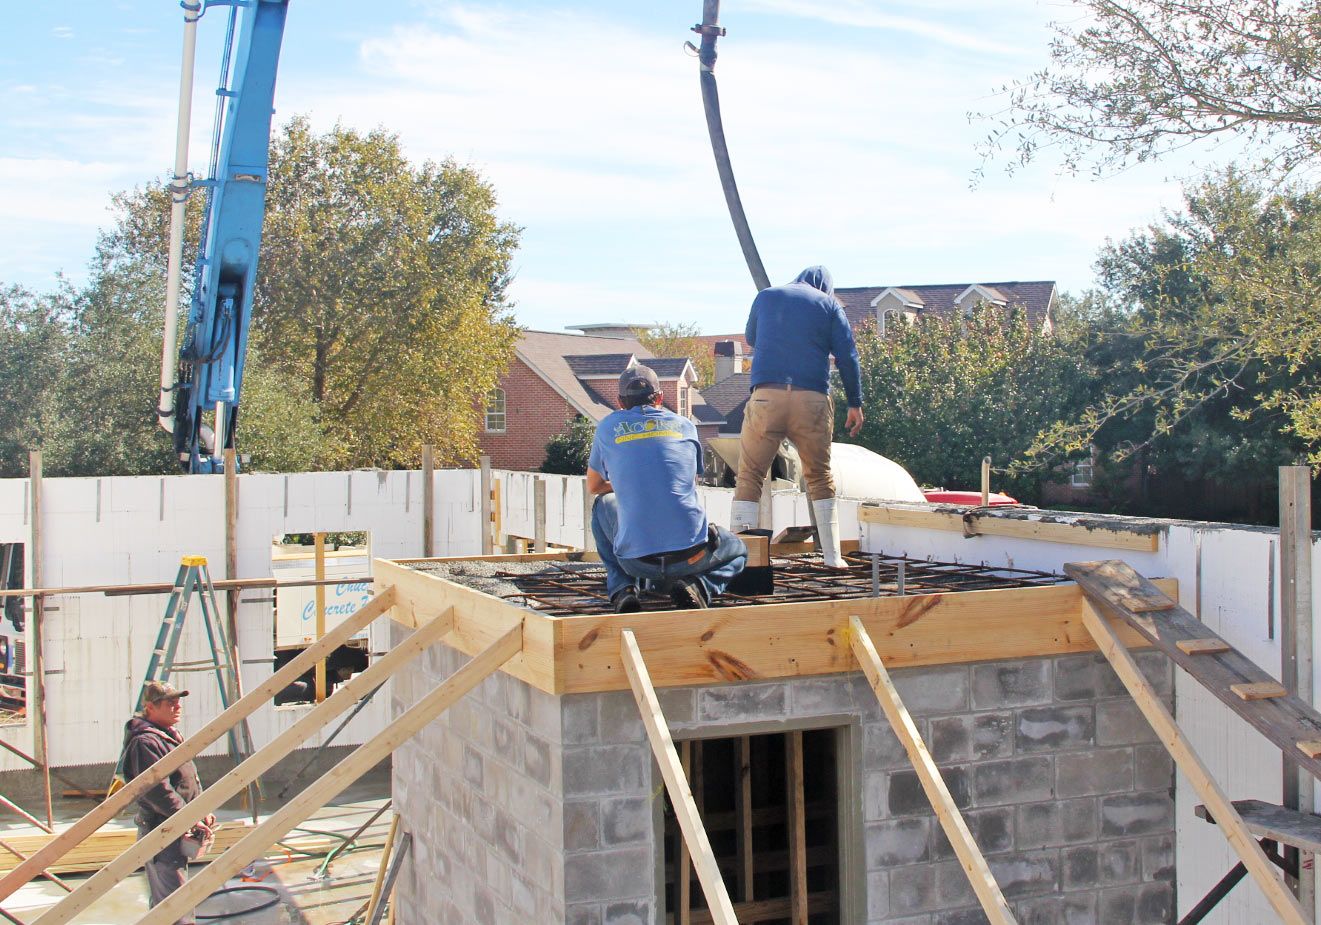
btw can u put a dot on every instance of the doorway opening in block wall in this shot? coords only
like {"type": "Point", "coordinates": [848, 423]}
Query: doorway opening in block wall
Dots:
{"type": "Point", "coordinates": [771, 808]}
{"type": "Point", "coordinates": [13, 639]}
{"type": "Point", "coordinates": [338, 566]}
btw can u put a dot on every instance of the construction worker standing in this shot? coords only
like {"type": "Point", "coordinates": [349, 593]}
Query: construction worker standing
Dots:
{"type": "Point", "coordinates": [794, 330]}
{"type": "Point", "coordinates": [148, 737]}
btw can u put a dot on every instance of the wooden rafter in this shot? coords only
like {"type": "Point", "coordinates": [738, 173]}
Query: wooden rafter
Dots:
{"type": "Point", "coordinates": [676, 783]}
{"type": "Point", "coordinates": [951, 820]}
{"type": "Point", "coordinates": [194, 744]}
{"type": "Point", "coordinates": [215, 796]}
{"type": "Point", "coordinates": [326, 787]}
{"type": "Point", "coordinates": [1181, 750]}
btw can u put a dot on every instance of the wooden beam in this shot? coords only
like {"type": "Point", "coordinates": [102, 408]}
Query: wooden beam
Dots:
{"type": "Point", "coordinates": [45, 873]}
{"type": "Point", "coordinates": [743, 816]}
{"type": "Point", "coordinates": [319, 545]}
{"type": "Point", "coordinates": [539, 514]}
{"type": "Point", "coordinates": [1080, 533]}
{"type": "Point", "coordinates": [795, 805]}
{"type": "Point", "coordinates": [1286, 721]}
{"type": "Point", "coordinates": [1240, 839]}
{"type": "Point", "coordinates": [676, 783]}
{"type": "Point", "coordinates": [363, 759]}
{"type": "Point", "coordinates": [374, 901]}
{"type": "Point", "coordinates": [428, 500]}
{"type": "Point", "coordinates": [683, 872]}
{"type": "Point", "coordinates": [1298, 786]}
{"type": "Point", "coordinates": [484, 489]}
{"type": "Point", "coordinates": [951, 820]}
{"type": "Point", "coordinates": [1298, 828]}
{"type": "Point", "coordinates": [215, 796]}
{"type": "Point", "coordinates": [194, 745]}
{"type": "Point", "coordinates": [37, 665]}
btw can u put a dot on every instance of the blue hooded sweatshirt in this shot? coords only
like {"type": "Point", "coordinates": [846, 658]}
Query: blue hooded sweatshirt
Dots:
{"type": "Point", "coordinates": [794, 330]}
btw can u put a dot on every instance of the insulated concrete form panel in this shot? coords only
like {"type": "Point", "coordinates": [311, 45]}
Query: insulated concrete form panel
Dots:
{"type": "Point", "coordinates": [1225, 574]}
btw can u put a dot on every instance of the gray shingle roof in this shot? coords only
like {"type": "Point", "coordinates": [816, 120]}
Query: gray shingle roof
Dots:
{"type": "Point", "coordinates": [601, 364]}
{"type": "Point", "coordinates": [729, 396]}
{"type": "Point", "coordinates": [667, 367]}
{"type": "Point", "coordinates": [1032, 295]}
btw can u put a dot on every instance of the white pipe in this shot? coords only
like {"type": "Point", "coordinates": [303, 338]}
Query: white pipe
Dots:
{"type": "Point", "coordinates": [179, 187]}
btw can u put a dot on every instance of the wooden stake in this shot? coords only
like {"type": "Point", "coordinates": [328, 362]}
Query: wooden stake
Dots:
{"type": "Point", "coordinates": [37, 668]}
{"type": "Point", "coordinates": [363, 759]}
{"type": "Point", "coordinates": [743, 798]}
{"type": "Point", "coordinates": [497, 509]}
{"type": "Point", "coordinates": [986, 481]}
{"type": "Point", "coordinates": [319, 544]}
{"type": "Point", "coordinates": [795, 806]}
{"type": "Point", "coordinates": [1172, 737]}
{"type": "Point", "coordinates": [1299, 787]}
{"type": "Point", "coordinates": [236, 780]}
{"type": "Point", "coordinates": [375, 899]}
{"type": "Point", "coordinates": [684, 873]}
{"type": "Point", "coordinates": [538, 514]}
{"type": "Point", "coordinates": [676, 783]}
{"type": "Point", "coordinates": [428, 501]}
{"type": "Point", "coordinates": [488, 548]}
{"type": "Point", "coordinates": [951, 820]}
{"type": "Point", "coordinates": [193, 746]}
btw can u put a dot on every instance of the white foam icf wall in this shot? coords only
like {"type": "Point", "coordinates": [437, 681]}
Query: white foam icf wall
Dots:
{"type": "Point", "coordinates": [1225, 577]}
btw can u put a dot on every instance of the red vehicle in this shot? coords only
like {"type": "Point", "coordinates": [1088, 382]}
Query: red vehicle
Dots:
{"type": "Point", "coordinates": [973, 498]}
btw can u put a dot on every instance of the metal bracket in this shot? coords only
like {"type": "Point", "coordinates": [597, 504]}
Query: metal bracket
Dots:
{"type": "Point", "coordinates": [704, 30]}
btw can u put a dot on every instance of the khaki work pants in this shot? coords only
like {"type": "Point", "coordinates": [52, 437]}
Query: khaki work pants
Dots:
{"type": "Point", "coordinates": [806, 418]}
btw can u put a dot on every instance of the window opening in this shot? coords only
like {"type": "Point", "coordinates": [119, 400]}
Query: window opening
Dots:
{"type": "Point", "coordinates": [346, 556]}
{"type": "Point", "coordinates": [495, 411]}
{"type": "Point", "coordinates": [746, 792]}
{"type": "Point", "coordinates": [13, 638]}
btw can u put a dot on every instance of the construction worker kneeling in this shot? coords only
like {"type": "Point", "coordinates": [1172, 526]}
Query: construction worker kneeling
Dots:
{"type": "Point", "coordinates": [648, 521]}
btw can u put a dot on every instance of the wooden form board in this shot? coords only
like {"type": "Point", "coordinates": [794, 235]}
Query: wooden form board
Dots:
{"type": "Point", "coordinates": [1268, 820]}
{"type": "Point", "coordinates": [676, 783]}
{"type": "Point", "coordinates": [1284, 720]}
{"type": "Point", "coordinates": [951, 820]}
{"type": "Point", "coordinates": [1181, 750]}
{"type": "Point", "coordinates": [1082, 533]}
{"type": "Point", "coordinates": [563, 655]}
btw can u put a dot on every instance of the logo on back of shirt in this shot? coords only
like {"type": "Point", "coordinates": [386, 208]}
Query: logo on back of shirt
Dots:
{"type": "Point", "coordinates": [641, 430]}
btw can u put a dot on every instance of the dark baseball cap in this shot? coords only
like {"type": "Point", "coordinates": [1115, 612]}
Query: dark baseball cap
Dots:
{"type": "Point", "coordinates": [156, 691]}
{"type": "Point", "coordinates": [638, 381]}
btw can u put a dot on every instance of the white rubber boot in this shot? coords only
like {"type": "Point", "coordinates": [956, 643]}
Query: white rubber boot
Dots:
{"type": "Point", "coordinates": [827, 531]}
{"type": "Point", "coordinates": [745, 516]}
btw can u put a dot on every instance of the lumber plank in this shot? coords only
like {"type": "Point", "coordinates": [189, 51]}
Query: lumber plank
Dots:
{"type": "Point", "coordinates": [684, 874]}
{"type": "Point", "coordinates": [1286, 721]}
{"type": "Point", "coordinates": [215, 796]}
{"type": "Point", "coordinates": [1080, 534]}
{"type": "Point", "coordinates": [361, 760]}
{"type": "Point", "coordinates": [951, 820]}
{"type": "Point", "coordinates": [1186, 757]}
{"type": "Point", "coordinates": [1310, 747]}
{"type": "Point", "coordinates": [676, 783]}
{"type": "Point", "coordinates": [797, 828]}
{"type": "Point", "coordinates": [799, 549]}
{"type": "Point", "coordinates": [1269, 820]}
{"type": "Point", "coordinates": [1258, 690]}
{"type": "Point", "coordinates": [1203, 646]}
{"type": "Point", "coordinates": [479, 619]}
{"type": "Point", "coordinates": [770, 641]}
{"type": "Point", "coordinates": [194, 744]}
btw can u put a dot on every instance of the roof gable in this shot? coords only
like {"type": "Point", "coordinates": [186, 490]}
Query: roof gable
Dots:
{"type": "Point", "coordinates": [1036, 297]}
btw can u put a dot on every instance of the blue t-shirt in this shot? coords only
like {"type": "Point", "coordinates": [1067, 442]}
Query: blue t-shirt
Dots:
{"type": "Point", "coordinates": [651, 457]}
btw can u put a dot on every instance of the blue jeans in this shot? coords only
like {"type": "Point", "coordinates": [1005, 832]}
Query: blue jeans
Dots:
{"type": "Point", "coordinates": [715, 568]}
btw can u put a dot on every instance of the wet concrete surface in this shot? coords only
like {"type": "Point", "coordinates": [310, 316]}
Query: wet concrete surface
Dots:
{"type": "Point", "coordinates": [301, 896]}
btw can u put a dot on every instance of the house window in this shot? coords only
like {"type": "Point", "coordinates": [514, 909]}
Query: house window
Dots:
{"type": "Point", "coordinates": [1081, 476]}
{"type": "Point", "coordinates": [495, 412]}
{"type": "Point", "coordinates": [888, 317]}
{"type": "Point", "coordinates": [683, 400]}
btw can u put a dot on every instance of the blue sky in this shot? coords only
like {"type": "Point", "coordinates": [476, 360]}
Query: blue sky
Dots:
{"type": "Point", "coordinates": [846, 120]}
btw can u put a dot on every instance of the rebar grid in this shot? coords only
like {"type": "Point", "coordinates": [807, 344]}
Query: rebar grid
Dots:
{"type": "Point", "coordinates": [560, 592]}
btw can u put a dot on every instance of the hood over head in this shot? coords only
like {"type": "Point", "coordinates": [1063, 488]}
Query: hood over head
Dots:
{"type": "Point", "coordinates": [817, 277]}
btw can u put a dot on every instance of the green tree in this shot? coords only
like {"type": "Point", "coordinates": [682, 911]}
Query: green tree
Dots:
{"type": "Point", "coordinates": [943, 392]}
{"type": "Point", "coordinates": [34, 338]}
{"type": "Point", "coordinates": [1129, 81]}
{"type": "Point", "coordinates": [1210, 369]}
{"type": "Point", "coordinates": [568, 451]}
{"type": "Point", "coordinates": [382, 289]}
{"type": "Point", "coordinates": [679, 339]}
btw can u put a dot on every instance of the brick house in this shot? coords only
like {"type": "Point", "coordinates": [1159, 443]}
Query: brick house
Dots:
{"type": "Point", "coordinates": [556, 376]}
{"type": "Point", "coordinates": [882, 304]}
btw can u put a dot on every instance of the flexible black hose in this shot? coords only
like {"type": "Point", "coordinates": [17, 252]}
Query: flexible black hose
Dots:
{"type": "Point", "coordinates": [247, 888]}
{"type": "Point", "coordinates": [710, 30]}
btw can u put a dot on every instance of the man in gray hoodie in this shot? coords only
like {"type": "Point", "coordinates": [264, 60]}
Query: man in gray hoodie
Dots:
{"type": "Point", "coordinates": [148, 737]}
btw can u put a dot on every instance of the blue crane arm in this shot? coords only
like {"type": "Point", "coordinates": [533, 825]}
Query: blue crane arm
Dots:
{"type": "Point", "coordinates": [212, 353]}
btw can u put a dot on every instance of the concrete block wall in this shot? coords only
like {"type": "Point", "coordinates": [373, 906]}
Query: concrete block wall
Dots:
{"type": "Point", "coordinates": [526, 807]}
